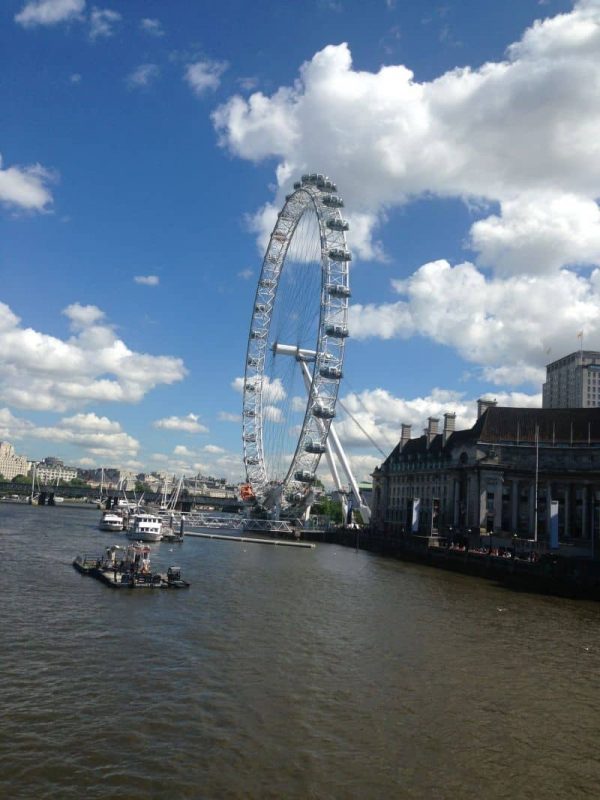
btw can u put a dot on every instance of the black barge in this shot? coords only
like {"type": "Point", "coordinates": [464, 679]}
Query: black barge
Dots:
{"type": "Point", "coordinates": [132, 571]}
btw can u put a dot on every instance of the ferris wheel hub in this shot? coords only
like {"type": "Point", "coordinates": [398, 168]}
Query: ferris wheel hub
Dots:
{"type": "Point", "coordinates": [299, 353]}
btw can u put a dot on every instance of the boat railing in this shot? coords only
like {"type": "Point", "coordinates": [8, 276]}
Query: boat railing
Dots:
{"type": "Point", "coordinates": [268, 525]}
{"type": "Point", "coordinates": [207, 520]}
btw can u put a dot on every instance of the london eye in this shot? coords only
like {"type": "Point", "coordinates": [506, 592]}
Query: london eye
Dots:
{"type": "Point", "coordinates": [295, 353]}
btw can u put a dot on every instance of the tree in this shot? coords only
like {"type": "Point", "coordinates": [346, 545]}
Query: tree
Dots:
{"type": "Point", "coordinates": [327, 507]}
{"type": "Point", "coordinates": [79, 482]}
{"type": "Point", "coordinates": [21, 479]}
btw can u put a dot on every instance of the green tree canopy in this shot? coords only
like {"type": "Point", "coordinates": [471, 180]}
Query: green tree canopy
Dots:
{"type": "Point", "coordinates": [327, 507]}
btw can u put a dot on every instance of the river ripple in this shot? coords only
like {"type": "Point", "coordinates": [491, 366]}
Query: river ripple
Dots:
{"type": "Point", "coordinates": [285, 673]}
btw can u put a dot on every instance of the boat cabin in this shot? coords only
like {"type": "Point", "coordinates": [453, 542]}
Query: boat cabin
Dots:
{"type": "Point", "coordinates": [137, 558]}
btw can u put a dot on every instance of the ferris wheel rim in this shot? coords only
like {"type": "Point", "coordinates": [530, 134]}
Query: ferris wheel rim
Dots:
{"type": "Point", "coordinates": [316, 192]}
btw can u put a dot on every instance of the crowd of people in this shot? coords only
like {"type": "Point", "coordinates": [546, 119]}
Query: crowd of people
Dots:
{"type": "Point", "coordinates": [462, 546]}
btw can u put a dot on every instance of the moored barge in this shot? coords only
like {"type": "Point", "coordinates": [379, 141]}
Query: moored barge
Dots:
{"type": "Point", "coordinates": [129, 568]}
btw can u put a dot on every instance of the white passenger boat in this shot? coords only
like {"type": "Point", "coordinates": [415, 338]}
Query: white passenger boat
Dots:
{"type": "Point", "coordinates": [111, 521]}
{"type": "Point", "coordinates": [144, 528]}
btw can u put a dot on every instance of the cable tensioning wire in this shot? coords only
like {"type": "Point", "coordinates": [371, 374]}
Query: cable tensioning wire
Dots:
{"type": "Point", "coordinates": [294, 321]}
{"type": "Point", "coordinates": [358, 425]}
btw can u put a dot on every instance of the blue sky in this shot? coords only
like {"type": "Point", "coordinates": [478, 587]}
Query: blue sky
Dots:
{"type": "Point", "coordinates": [155, 141]}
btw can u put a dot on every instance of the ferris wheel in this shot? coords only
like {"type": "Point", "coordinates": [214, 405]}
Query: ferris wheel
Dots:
{"type": "Point", "coordinates": [295, 351]}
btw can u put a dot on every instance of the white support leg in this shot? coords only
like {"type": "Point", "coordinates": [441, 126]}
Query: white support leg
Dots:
{"type": "Point", "coordinates": [328, 451]}
{"type": "Point", "coordinates": [302, 356]}
{"type": "Point", "coordinates": [364, 510]}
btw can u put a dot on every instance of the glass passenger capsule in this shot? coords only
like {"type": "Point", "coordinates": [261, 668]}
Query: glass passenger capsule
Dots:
{"type": "Point", "coordinates": [336, 331]}
{"type": "Point", "coordinates": [314, 447]}
{"type": "Point", "coordinates": [304, 476]}
{"type": "Point", "coordinates": [337, 254]}
{"type": "Point", "coordinates": [338, 290]}
{"type": "Point", "coordinates": [323, 412]}
{"type": "Point", "coordinates": [334, 373]}
{"type": "Point", "coordinates": [327, 186]}
{"type": "Point", "coordinates": [336, 224]}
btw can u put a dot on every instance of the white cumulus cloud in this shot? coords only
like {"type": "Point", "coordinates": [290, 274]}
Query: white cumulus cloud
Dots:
{"type": "Point", "coordinates": [44, 372]}
{"type": "Point", "coordinates": [273, 390]}
{"type": "Point", "coordinates": [97, 436]}
{"type": "Point", "coordinates": [182, 450]}
{"type": "Point", "coordinates": [519, 135]}
{"type": "Point", "coordinates": [49, 12]}
{"type": "Point", "coordinates": [204, 76]}
{"type": "Point", "coordinates": [12, 427]}
{"type": "Point", "coordinates": [189, 424]}
{"type": "Point", "coordinates": [102, 22]}
{"type": "Point", "coordinates": [147, 280]}
{"type": "Point", "coordinates": [273, 413]}
{"type": "Point", "coordinates": [152, 26]}
{"type": "Point", "coordinates": [142, 76]}
{"type": "Point", "coordinates": [511, 327]}
{"type": "Point", "coordinates": [228, 416]}
{"type": "Point", "coordinates": [83, 316]}
{"type": "Point", "coordinates": [539, 233]}
{"type": "Point", "coordinates": [25, 188]}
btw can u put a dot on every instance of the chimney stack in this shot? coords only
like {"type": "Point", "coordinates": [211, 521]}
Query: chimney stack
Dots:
{"type": "Point", "coordinates": [449, 425]}
{"type": "Point", "coordinates": [483, 405]}
{"type": "Point", "coordinates": [432, 429]}
{"type": "Point", "coordinates": [405, 437]}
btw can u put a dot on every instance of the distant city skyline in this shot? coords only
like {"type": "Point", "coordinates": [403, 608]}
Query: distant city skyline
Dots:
{"type": "Point", "coordinates": [148, 147]}
{"type": "Point", "coordinates": [13, 463]}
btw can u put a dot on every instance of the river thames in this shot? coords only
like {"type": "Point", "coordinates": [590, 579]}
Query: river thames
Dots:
{"type": "Point", "coordinates": [285, 673]}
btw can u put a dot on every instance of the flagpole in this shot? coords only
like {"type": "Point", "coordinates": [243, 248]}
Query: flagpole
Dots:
{"type": "Point", "coordinates": [580, 337]}
{"type": "Point", "coordinates": [537, 466]}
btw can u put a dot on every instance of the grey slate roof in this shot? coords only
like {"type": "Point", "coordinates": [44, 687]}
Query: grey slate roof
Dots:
{"type": "Point", "coordinates": [556, 425]}
{"type": "Point", "coordinates": [559, 426]}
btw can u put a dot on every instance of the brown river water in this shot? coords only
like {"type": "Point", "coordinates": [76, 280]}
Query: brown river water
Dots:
{"type": "Point", "coordinates": [285, 673]}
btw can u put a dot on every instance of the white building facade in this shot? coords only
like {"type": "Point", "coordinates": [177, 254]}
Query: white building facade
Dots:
{"type": "Point", "coordinates": [573, 381]}
{"type": "Point", "coordinates": [52, 470]}
{"type": "Point", "coordinates": [11, 464]}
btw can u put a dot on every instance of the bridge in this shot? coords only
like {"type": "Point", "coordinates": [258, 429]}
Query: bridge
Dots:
{"type": "Point", "coordinates": [47, 493]}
